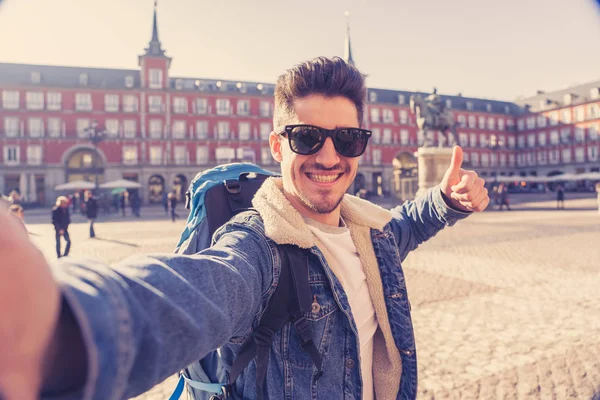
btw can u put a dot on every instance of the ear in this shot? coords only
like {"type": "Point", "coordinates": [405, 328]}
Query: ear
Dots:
{"type": "Point", "coordinates": [275, 144]}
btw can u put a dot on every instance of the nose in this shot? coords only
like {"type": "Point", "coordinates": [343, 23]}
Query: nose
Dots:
{"type": "Point", "coordinates": [328, 156]}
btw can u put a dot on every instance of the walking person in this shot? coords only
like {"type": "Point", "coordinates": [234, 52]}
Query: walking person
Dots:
{"type": "Point", "coordinates": [503, 197]}
{"type": "Point", "coordinates": [61, 220]}
{"type": "Point", "coordinates": [172, 203]}
{"type": "Point", "coordinates": [134, 200]}
{"type": "Point", "coordinates": [560, 197]}
{"type": "Point", "coordinates": [114, 331]}
{"type": "Point", "coordinates": [91, 210]}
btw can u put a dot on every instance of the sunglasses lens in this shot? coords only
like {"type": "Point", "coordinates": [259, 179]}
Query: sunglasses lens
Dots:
{"type": "Point", "coordinates": [305, 139]}
{"type": "Point", "coordinates": [351, 142]}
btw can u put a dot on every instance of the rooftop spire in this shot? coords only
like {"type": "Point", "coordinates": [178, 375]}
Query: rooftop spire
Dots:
{"type": "Point", "coordinates": [155, 48]}
{"type": "Point", "coordinates": [347, 46]}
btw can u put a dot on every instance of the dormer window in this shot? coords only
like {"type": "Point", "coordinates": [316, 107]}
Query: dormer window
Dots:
{"type": "Point", "coordinates": [36, 77]}
{"type": "Point", "coordinates": [488, 107]}
{"type": "Point", "coordinates": [83, 79]}
{"type": "Point", "coordinates": [470, 105]}
{"type": "Point", "coordinates": [129, 81]}
{"type": "Point", "coordinates": [401, 99]}
{"type": "Point", "coordinates": [178, 84]}
{"type": "Point", "coordinates": [372, 97]}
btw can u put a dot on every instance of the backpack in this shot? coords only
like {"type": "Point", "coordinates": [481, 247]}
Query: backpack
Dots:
{"type": "Point", "coordinates": [213, 198]}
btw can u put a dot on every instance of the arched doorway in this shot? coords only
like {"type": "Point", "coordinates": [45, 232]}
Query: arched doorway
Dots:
{"type": "Point", "coordinates": [156, 189]}
{"type": "Point", "coordinates": [405, 176]}
{"type": "Point", "coordinates": [180, 187]}
{"type": "Point", "coordinates": [84, 165]}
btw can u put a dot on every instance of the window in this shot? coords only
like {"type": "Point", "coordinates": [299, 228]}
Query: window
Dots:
{"type": "Point", "coordinates": [579, 135]}
{"type": "Point", "coordinates": [180, 105]}
{"type": "Point", "coordinates": [201, 106]}
{"type": "Point", "coordinates": [565, 135]}
{"type": "Point", "coordinates": [542, 138]}
{"type": "Point", "coordinates": [243, 107]}
{"type": "Point", "coordinates": [448, 103]}
{"type": "Point", "coordinates": [542, 157]}
{"type": "Point", "coordinates": [111, 102]}
{"type": "Point", "coordinates": [502, 160]}
{"type": "Point", "coordinates": [375, 115]}
{"type": "Point", "coordinates": [500, 124]}
{"type": "Point", "coordinates": [568, 99]}
{"type": "Point", "coordinates": [129, 128]}
{"type": "Point", "coordinates": [463, 139]}
{"type": "Point", "coordinates": [593, 132]}
{"type": "Point", "coordinates": [511, 142]}
{"type": "Point", "coordinates": [593, 111]}
{"type": "Point", "coordinates": [180, 155]}
{"type": "Point", "coordinates": [178, 131]}
{"type": "Point", "coordinates": [82, 127]}
{"type": "Point", "coordinates": [376, 156]}
{"type": "Point", "coordinates": [224, 154]}
{"type": "Point", "coordinates": [531, 140]}
{"type": "Point", "coordinates": [265, 155]}
{"type": "Point", "coordinates": [401, 99]}
{"type": "Point", "coordinates": [387, 136]}
{"type": "Point", "coordinates": [130, 155]}
{"type": "Point", "coordinates": [265, 109]}
{"type": "Point", "coordinates": [34, 100]}
{"type": "Point", "coordinates": [84, 79]}
{"type": "Point", "coordinates": [462, 121]}
{"type": "Point", "coordinates": [511, 160]}
{"type": "Point", "coordinates": [223, 130]}
{"type": "Point", "coordinates": [244, 130]}
{"type": "Point", "coordinates": [36, 77]}
{"type": "Point", "coordinates": [483, 140]}
{"type": "Point", "coordinates": [10, 100]}
{"type": "Point", "coordinates": [485, 159]}
{"type": "Point", "coordinates": [129, 81]}
{"type": "Point", "coordinates": [594, 93]}
{"type": "Point", "coordinates": [554, 138]}
{"type": "Point", "coordinates": [11, 126]}
{"type": "Point", "coordinates": [520, 125]}
{"type": "Point", "coordinates": [554, 156]}
{"type": "Point", "coordinates": [83, 102]}
{"type": "Point", "coordinates": [155, 104]}
{"type": "Point", "coordinates": [566, 155]}
{"type": "Point", "coordinates": [521, 142]}
{"type": "Point", "coordinates": [54, 101]}
{"type": "Point", "coordinates": [403, 114]}
{"type": "Point", "coordinates": [376, 137]}
{"type": "Point", "coordinates": [579, 154]}
{"type": "Point", "coordinates": [34, 154]}
{"type": "Point", "coordinates": [469, 105]}
{"type": "Point", "coordinates": [491, 123]}
{"type": "Point", "coordinates": [472, 121]}
{"type": "Point", "coordinates": [223, 107]}
{"type": "Point", "coordinates": [201, 129]}
{"type": "Point", "coordinates": [54, 127]}
{"type": "Point", "coordinates": [112, 127]}
{"type": "Point", "coordinates": [530, 122]}
{"type": "Point", "coordinates": [201, 155]}
{"type": "Point", "coordinates": [388, 116]}
{"type": "Point", "coordinates": [593, 153]}
{"type": "Point", "coordinates": [481, 121]}
{"type": "Point", "coordinates": [473, 140]}
{"type": "Point", "coordinates": [565, 116]}
{"type": "Point", "coordinates": [130, 103]}
{"type": "Point", "coordinates": [156, 79]}
{"type": "Point", "coordinates": [265, 131]}
{"type": "Point", "coordinates": [541, 121]}
{"type": "Point", "coordinates": [155, 155]}
{"type": "Point", "coordinates": [488, 107]}
{"type": "Point", "coordinates": [156, 128]}
{"type": "Point", "coordinates": [553, 118]}
{"type": "Point", "coordinates": [404, 137]}
{"type": "Point", "coordinates": [12, 155]}
{"type": "Point", "coordinates": [579, 114]}
{"type": "Point", "coordinates": [36, 127]}
{"type": "Point", "coordinates": [372, 97]}
{"type": "Point", "coordinates": [475, 158]}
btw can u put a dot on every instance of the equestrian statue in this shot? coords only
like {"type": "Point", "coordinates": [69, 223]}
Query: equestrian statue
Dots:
{"type": "Point", "coordinates": [432, 116]}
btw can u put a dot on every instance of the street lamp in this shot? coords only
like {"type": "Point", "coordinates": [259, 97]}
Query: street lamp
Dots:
{"type": "Point", "coordinates": [95, 136]}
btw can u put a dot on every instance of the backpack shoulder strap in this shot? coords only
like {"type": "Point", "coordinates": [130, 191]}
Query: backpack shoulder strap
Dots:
{"type": "Point", "coordinates": [290, 300]}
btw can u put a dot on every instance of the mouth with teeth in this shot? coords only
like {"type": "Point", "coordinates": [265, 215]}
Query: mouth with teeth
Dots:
{"type": "Point", "coordinates": [323, 179]}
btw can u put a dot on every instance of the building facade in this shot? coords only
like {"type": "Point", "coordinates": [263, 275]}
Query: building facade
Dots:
{"type": "Point", "coordinates": [62, 124]}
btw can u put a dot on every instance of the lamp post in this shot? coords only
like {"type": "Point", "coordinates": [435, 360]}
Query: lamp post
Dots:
{"type": "Point", "coordinates": [95, 136]}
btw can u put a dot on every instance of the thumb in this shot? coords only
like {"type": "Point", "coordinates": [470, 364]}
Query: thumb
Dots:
{"type": "Point", "coordinates": [457, 160]}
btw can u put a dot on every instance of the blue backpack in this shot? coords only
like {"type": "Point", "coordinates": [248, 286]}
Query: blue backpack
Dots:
{"type": "Point", "coordinates": [213, 198]}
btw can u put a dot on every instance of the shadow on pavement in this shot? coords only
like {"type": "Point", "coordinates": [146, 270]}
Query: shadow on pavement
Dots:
{"type": "Point", "coordinates": [117, 242]}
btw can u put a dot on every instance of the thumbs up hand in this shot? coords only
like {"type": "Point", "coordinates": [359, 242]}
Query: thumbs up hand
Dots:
{"type": "Point", "coordinates": [464, 190]}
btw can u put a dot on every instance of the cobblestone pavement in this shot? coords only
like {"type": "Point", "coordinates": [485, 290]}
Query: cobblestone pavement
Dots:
{"type": "Point", "coordinates": [506, 305]}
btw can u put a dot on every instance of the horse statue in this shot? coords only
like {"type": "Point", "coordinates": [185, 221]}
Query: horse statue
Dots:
{"type": "Point", "coordinates": [432, 116]}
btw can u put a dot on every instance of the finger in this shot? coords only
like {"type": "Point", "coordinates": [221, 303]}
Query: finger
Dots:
{"type": "Point", "coordinates": [457, 160]}
{"type": "Point", "coordinates": [478, 201]}
{"type": "Point", "coordinates": [467, 182]}
{"type": "Point", "coordinates": [467, 196]}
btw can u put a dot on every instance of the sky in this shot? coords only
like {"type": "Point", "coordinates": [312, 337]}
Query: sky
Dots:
{"type": "Point", "coordinates": [482, 48]}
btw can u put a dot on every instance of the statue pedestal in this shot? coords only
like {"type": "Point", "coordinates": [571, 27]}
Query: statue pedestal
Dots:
{"type": "Point", "coordinates": [433, 164]}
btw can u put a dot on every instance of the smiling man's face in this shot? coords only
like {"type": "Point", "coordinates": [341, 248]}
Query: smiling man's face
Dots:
{"type": "Point", "coordinates": [316, 184]}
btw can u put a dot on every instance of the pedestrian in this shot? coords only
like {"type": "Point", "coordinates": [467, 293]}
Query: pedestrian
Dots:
{"type": "Point", "coordinates": [560, 197]}
{"type": "Point", "coordinates": [165, 202]}
{"type": "Point", "coordinates": [502, 193]}
{"type": "Point", "coordinates": [124, 201]}
{"type": "Point", "coordinates": [91, 210]}
{"type": "Point", "coordinates": [61, 220]}
{"type": "Point", "coordinates": [75, 203]}
{"type": "Point", "coordinates": [123, 328]}
{"type": "Point", "coordinates": [172, 203]}
{"type": "Point", "coordinates": [134, 200]}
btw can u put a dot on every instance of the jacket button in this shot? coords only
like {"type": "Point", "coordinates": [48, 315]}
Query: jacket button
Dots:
{"type": "Point", "coordinates": [349, 363]}
{"type": "Point", "coordinates": [315, 307]}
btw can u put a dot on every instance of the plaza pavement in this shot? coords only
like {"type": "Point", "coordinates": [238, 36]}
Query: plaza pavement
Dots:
{"type": "Point", "coordinates": [506, 305]}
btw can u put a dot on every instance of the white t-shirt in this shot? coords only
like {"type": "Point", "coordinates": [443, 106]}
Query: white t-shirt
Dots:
{"type": "Point", "coordinates": [348, 269]}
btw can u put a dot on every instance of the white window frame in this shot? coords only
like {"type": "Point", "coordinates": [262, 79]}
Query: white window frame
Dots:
{"type": "Point", "coordinates": [130, 103]}
{"type": "Point", "coordinates": [179, 155]}
{"type": "Point", "coordinates": [129, 128]}
{"type": "Point", "coordinates": [202, 130]}
{"type": "Point", "coordinates": [11, 126]}
{"type": "Point", "coordinates": [201, 106]}
{"type": "Point", "coordinates": [35, 127]}
{"type": "Point", "coordinates": [111, 127]}
{"type": "Point", "coordinates": [223, 130]}
{"type": "Point", "coordinates": [266, 109]}
{"type": "Point", "coordinates": [388, 116]}
{"type": "Point", "coordinates": [82, 124]}
{"type": "Point", "coordinates": [130, 155]}
{"type": "Point", "coordinates": [202, 156]}
{"type": "Point", "coordinates": [12, 155]}
{"type": "Point", "coordinates": [223, 107]}
{"type": "Point", "coordinates": [180, 105]}
{"type": "Point", "coordinates": [54, 101]}
{"type": "Point", "coordinates": [83, 102]}
{"type": "Point", "coordinates": [155, 78]}
{"type": "Point", "coordinates": [111, 102]}
{"type": "Point", "coordinates": [244, 131]}
{"type": "Point", "coordinates": [155, 104]}
{"type": "Point", "coordinates": [153, 132]}
{"type": "Point", "coordinates": [155, 155]}
{"type": "Point", "coordinates": [178, 129]}
{"type": "Point", "coordinates": [34, 154]}
{"type": "Point", "coordinates": [243, 107]}
{"type": "Point", "coordinates": [10, 100]}
{"type": "Point", "coordinates": [34, 100]}
{"type": "Point", "coordinates": [265, 129]}
{"type": "Point", "coordinates": [54, 123]}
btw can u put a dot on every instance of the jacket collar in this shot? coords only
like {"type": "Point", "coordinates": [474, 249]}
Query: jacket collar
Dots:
{"type": "Point", "coordinates": [285, 225]}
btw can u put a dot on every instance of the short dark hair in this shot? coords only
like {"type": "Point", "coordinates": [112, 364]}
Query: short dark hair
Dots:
{"type": "Point", "coordinates": [330, 77]}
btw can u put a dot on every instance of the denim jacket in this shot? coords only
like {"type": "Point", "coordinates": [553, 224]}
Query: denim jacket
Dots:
{"type": "Point", "coordinates": [148, 317]}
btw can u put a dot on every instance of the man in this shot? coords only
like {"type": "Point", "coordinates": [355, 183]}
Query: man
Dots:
{"type": "Point", "coordinates": [122, 329]}
{"type": "Point", "coordinates": [91, 210]}
{"type": "Point", "coordinates": [61, 220]}
{"type": "Point", "coordinates": [172, 203]}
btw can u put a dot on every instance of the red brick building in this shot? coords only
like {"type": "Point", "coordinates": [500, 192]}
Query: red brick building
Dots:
{"type": "Point", "coordinates": [60, 124]}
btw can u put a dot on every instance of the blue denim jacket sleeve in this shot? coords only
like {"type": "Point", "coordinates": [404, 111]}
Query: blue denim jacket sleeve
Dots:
{"type": "Point", "coordinates": [416, 221]}
{"type": "Point", "coordinates": [149, 316]}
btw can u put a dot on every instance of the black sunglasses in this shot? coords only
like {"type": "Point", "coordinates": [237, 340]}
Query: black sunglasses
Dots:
{"type": "Point", "coordinates": [308, 139]}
